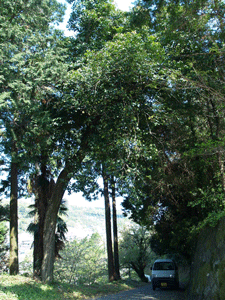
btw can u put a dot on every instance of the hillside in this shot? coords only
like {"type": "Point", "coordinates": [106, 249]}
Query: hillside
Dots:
{"type": "Point", "coordinates": [81, 221]}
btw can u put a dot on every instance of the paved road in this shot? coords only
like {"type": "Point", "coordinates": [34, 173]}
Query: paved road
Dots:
{"type": "Point", "coordinates": [146, 293]}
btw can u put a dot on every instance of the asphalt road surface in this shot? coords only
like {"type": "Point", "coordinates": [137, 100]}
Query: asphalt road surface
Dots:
{"type": "Point", "coordinates": [147, 293]}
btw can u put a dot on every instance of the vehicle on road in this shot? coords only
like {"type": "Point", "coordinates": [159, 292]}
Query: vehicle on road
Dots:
{"type": "Point", "coordinates": [164, 274]}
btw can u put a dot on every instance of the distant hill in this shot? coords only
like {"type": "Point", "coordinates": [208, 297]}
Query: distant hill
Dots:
{"type": "Point", "coordinates": [81, 222]}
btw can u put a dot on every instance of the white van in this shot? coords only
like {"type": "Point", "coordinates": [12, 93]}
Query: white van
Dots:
{"type": "Point", "coordinates": [164, 274]}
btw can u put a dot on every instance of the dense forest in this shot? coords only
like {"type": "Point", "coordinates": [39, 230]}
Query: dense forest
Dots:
{"type": "Point", "coordinates": [135, 99]}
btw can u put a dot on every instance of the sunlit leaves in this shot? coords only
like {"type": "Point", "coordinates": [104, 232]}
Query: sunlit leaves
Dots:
{"type": "Point", "coordinates": [94, 23]}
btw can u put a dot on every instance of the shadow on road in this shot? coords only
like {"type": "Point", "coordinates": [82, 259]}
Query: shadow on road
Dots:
{"type": "Point", "coordinates": [146, 293]}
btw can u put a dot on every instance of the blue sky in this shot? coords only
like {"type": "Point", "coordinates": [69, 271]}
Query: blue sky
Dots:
{"type": "Point", "coordinates": [121, 4]}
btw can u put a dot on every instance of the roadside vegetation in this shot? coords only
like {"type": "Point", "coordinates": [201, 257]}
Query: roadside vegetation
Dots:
{"type": "Point", "coordinates": [21, 287]}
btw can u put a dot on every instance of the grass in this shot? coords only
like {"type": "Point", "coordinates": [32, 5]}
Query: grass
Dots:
{"type": "Point", "coordinates": [24, 288]}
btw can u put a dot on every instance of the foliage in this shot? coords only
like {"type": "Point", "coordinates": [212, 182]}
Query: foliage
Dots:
{"type": "Point", "coordinates": [33, 73]}
{"type": "Point", "coordinates": [61, 226]}
{"type": "Point", "coordinates": [82, 261]}
{"type": "Point", "coordinates": [28, 53]}
{"type": "Point", "coordinates": [110, 86]}
{"type": "Point", "coordinates": [181, 188]}
{"type": "Point", "coordinates": [3, 248]}
{"type": "Point", "coordinates": [31, 86]}
{"type": "Point", "coordinates": [94, 23]}
{"type": "Point", "coordinates": [4, 216]}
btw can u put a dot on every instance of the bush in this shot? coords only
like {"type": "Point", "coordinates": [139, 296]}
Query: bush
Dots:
{"type": "Point", "coordinates": [3, 248]}
{"type": "Point", "coordinates": [83, 261]}
{"type": "Point", "coordinates": [4, 215]}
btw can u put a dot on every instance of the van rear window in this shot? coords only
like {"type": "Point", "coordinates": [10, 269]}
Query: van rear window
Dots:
{"type": "Point", "coordinates": [164, 266]}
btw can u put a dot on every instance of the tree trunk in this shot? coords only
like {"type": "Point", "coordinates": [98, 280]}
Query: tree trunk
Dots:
{"type": "Point", "coordinates": [111, 268]}
{"type": "Point", "coordinates": [115, 231]}
{"type": "Point", "coordinates": [50, 225]}
{"type": "Point", "coordinates": [49, 243]}
{"type": "Point", "coordinates": [43, 191]}
{"type": "Point", "coordinates": [38, 249]}
{"type": "Point", "coordinates": [13, 260]}
{"type": "Point", "coordinates": [140, 272]}
{"type": "Point", "coordinates": [40, 206]}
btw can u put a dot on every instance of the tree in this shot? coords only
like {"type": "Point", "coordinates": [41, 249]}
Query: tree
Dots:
{"type": "Point", "coordinates": [96, 23]}
{"type": "Point", "coordinates": [30, 77]}
{"type": "Point", "coordinates": [110, 87]}
{"type": "Point", "coordinates": [180, 189]}
{"type": "Point", "coordinates": [135, 250]}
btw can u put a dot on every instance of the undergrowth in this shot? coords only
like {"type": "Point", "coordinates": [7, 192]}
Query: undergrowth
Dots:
{"type": "Point", "coordinates": [25, 288]}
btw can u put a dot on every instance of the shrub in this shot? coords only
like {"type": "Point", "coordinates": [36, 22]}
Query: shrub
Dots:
{"type": "Point", "coordinates": [82, 261]}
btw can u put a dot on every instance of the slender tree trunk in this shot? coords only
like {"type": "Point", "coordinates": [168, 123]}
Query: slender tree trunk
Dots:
{"type": "Point", "coordinates": [115, 231]}
{"type": "Point", "coordinates": [14, 260]}
{"type": "Point", "coordinates": [111, 268]}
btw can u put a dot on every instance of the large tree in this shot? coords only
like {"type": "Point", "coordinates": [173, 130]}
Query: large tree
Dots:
{"type": "Point", "coordinates": [183, 187]}
{"type": "Point", "coordinates": [110, 86]}
{"type": "Point", "coordinates": [32, 73]}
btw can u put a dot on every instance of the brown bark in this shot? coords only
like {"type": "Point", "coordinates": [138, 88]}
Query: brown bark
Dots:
{"type": "Point", "coordinates": [50, 225]}
{"type": "Point", "coordinates": [13, 259]}
{"type": "Point", "coordinates": [43, 187]}
{"type": "Point", "coordinates": [111, 268]}
{"type": "Point", "coordinates": [38, 247]}
{"type": "Point", "coordinates": [115, 231]}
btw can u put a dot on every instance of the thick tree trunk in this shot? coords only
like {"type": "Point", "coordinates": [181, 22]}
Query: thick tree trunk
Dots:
{"type": "Point", "coordinates": [115, 231]}
{"type": "Point", "coordinates": [43, 191]}
{"type": "Point", "coordinates": [13, 259]}
{"type": "Point", "coordinates": [50, 225]}
{"type": "Point", "coordinates": [49, 243]}
{"type": "Point", "coordinates": [111, 268]}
